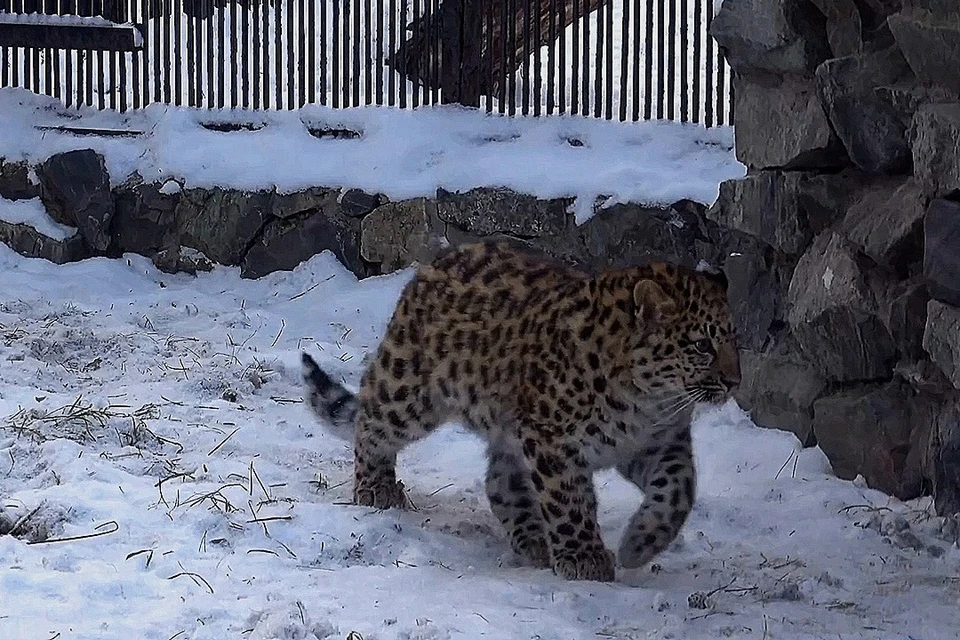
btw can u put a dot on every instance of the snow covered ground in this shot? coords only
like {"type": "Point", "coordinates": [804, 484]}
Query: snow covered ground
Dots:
{"type": "Point", "coordinates": [163, 413]}
{"type": "Point", "coordinates": [403, 154]}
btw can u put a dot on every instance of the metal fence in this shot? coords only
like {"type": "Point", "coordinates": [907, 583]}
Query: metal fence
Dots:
{"type": "Point", "coordinates": [614, 59]}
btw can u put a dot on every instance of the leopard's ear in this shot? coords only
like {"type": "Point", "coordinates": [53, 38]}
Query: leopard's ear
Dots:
{"type": "Point", "coordinates": [652, 303]}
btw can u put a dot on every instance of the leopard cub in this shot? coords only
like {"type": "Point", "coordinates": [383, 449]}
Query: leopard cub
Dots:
{"type": "Point", "coordinates": [563, 374]}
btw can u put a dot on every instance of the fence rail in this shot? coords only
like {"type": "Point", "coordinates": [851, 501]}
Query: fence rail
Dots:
{"type": "Point", "coordinates": [614, 59]}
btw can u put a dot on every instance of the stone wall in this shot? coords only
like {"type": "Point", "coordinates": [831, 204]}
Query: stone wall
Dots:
{"type": "Point", "coordinates": [848, 119]}
{"type": "Point", "coordinates": [192, 228]}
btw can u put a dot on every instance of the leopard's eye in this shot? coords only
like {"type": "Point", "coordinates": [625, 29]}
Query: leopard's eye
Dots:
{"type": "Point", "coordinates": [703, 346]}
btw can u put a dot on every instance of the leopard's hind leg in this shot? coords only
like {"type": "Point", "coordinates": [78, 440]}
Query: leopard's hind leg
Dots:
{"type": "Point", "coordinates": [514, 501]}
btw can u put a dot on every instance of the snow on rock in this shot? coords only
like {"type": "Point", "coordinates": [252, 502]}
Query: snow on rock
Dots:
{"type": "Point", "coordinates": [164, 412]}
{"type": "Point", "coordinates": [400, 153]}
{"type": "Point", "coordinates": [33, 213]}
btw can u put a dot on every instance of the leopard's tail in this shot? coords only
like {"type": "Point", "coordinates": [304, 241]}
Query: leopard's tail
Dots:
{"type": "Point", "coordinates": [333, 403]}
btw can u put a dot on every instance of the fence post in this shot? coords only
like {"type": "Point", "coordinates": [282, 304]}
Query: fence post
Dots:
{"type": "Point", "coordinates": [461, 41]}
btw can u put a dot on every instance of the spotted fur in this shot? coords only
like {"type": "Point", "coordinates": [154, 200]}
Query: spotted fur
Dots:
{"type": "Point", "coordinates": [563, 374]}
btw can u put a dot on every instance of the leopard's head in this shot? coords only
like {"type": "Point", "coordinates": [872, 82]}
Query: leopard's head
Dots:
{"type": "Point", "coordinates": [685, 344]}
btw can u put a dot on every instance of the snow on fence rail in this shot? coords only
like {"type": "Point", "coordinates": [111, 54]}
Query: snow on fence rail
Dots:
{"type": "Point", "coordinates": [613, 59]}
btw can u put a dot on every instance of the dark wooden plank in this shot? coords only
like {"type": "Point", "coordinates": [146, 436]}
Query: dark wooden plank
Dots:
{"type": "Point", "coordinates": [722, 91]}
{"type": "Point", "coordinates": [67, 37]}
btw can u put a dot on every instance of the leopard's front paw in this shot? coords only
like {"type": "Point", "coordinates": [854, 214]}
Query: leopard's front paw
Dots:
{"type": "Point", "coordinates": [595, 563]}
{"type": "Point", "coordinates": [381, 495]}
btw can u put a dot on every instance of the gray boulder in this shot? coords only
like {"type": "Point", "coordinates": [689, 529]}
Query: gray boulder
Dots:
{"type": "Point", "coordinates": [936, 148]}
{"type": "Point", "coordinates": [75, 188]}
{"type": "Point", "coordinates": [771, 36]}
{"type": "Point", "coordinates": [941, 250]}
{"type": "Point", "coordinates": [930, 40]}
{"type": "Point", "coordinates": [764, 205]}
{"type": "Point", "coordinates": [878, 431]}
{"type": "Point", "coordinates": [942, 339]}
{"type": "Point", "coordinates": [835, 316]}
{"type": "Point", "coordinates": [781, 123]}
{"type": "Point", "coordinates": [872, 130]}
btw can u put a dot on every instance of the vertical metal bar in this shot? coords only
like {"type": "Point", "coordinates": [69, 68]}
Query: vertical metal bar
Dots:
{"type": "Point", "coordinates": [175, 54]}
{"type": "Point", "coordinates": [525, 86]}
{"type": "Point", "coordinates": [695, 99]}
{"type": "Point", "coordinates": [278, 52]}
{"type": "Point", "coordinates": [415, 94]}
{"type": "Point", "coordinates": [661, 58]}
{"type": "Point", "coordinates": [193, 69]}
{"type": "Point", "coordinates": [585, 71]}
{"type": "Point", "coordinates": [357, 51]}
{"type": "Point", "coordinates": [504, 57]}
{"type": "Point", "coordinates": [552, 57]}
{"type": "Point", "coordinates": [402, 36]}
{"type": "Point", "coordinates": [513, 67]}
{"type": "Point", "coordinates": [312, 52]}
{"type": "Point", "coordinates": [255, 44]}
{"type": "Point", "coordinates": [488, 54]}
{"type": "Point", "coordinates": [575, 59]}
{"type": "Point", "coordinates": [625, 62]}
{"type": "Point", "coordinates": [378, 79]}
{"type": "Point", "coordinates": [301, 62]}
{"type": "Point", "coordinates": [392, 48]}
{"type": "Point", "coordinates": [245, 53]}
{"type": "Point", "coordinates": [598, 57]}
{"type": "Point", "coordinates": [609, 58]}
{"type": "Point", "coordinates": [214, 86]}
{"type": "Point", "coordinates": [368, 52]}
{"type": "Point", "coordinates": [562, 57]}
{"type": "Point", "coordinates": [648, 63]}
{"type": "Point", "coordinates": [684, 62]}
{"type": "Point", "coordinates": [709, 88]}
{"type": "Point", "coordinates": [345, 36]}
{"type": "Point", "coordinates": [672, 61]}
{"type": "Point", "coordinates": [538, 62]}
{"type": "Point", "coordinates": [722, 91]}
{"type": "Point", "coordinates": [101, 73]}
{"type": "Point", "coordinates": [425, 72]}
{"type": "Point", "coordinates": [265, 52]}
{"type": "Point", "coordinates": [435, 37]}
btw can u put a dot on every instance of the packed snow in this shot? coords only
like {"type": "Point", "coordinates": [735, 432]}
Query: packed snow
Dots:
{"type": "Point", "coordinates": [400, 153]}
{"type": "Point", "coordinates": [154, 447]}
{"type": "Point", "coordinates": [33, 213]}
